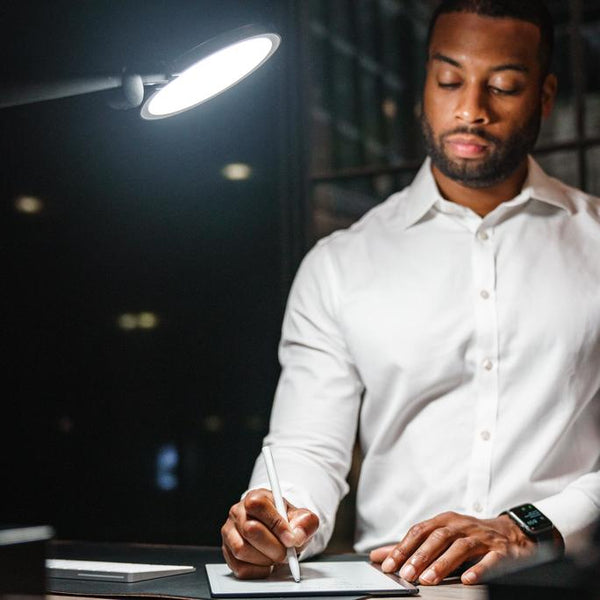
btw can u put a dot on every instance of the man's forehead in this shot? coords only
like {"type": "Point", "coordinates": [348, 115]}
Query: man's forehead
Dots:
{"type": "Point", "coordinates": [468, 37]}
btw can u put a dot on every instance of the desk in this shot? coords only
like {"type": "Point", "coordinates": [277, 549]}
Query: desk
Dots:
{"type": "Point", "coordinates": [453, 591]}
{"type": "Point", "coordinates": [175, 586]}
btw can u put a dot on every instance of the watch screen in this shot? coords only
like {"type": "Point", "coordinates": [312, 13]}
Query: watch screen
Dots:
{"type": "Point", "coordinates": [532, 517]}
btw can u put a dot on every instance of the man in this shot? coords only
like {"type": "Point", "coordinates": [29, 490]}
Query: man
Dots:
{"type": "Point", "coordinates": [456, 327]}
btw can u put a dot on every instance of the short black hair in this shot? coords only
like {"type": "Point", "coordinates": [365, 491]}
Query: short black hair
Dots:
{"type": "Point", "coordinates": [532, 11]}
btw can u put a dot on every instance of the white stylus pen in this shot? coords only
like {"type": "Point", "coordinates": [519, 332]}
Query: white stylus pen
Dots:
{"type": "Point", "coordinates": [280, 506]}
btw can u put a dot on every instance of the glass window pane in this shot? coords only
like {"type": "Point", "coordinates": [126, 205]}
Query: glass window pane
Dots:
{"type": "Point", "coordinates": [593, 173]}
{"type": "Point", "coordinates": [561, 125]}
{"type": "Point", "coordinates": [591, 37]}
{"type": "Point", "coordinates": [337, 204]}
{"type": "Point", "coordinates": [562, 165]}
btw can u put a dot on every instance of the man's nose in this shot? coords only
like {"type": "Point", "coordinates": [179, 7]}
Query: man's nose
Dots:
{"type": "Point", "coordinates": [473, 106]}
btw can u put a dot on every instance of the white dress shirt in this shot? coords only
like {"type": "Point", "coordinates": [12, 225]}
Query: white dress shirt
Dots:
{"type": "Point", "coordinates": [464, 352]}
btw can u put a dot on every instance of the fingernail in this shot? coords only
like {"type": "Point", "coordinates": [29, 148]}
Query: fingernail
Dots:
{"type": "Point", "coordinates": [299, 536]}
{"type": "Point", "coordinates": [408, 572]}
{"type": "Point", "coordinates": [469, 577]}
{"type": "Point", "coordinates": [388, 565]}
{"type": "Point", "coordinates": [428, 576]}
{"type": "Point", "coordinates": [288, 539]}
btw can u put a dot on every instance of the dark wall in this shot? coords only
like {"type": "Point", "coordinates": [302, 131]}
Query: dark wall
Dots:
{"type": "Point", "coordinates": [143, 434]}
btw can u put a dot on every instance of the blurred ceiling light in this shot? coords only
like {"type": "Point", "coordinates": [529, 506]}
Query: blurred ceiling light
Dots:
{"type": "Point", "coordinates": [147, 320]}
{"type": "Point", "coordinates": [199, 75]}
{"type": "Point", "coordinates": [389, 108]}
{"type": "Point", "coordinates": [127, 321]}
{"type": "Point", "coordinates": [236, 171]}
{"type": "Point", "coordinates": [213, 423]}
{"type": "Point", "coordinates": [143, 320]}
{"type": "Point", "coordinates": [30, 205]}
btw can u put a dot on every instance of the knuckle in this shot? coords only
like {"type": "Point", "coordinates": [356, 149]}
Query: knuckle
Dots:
{"type": "Point", "coordinates": [467, 545]}
{"type": "Point", "coordinates": [236, 512]}
{"type": "Point", "coordinates": [448, 516]}
{"type": "Point", "coordinates": [399, 553]}
{"type": "Point", "coordinates": [250, 529]}
{"type": "Point", "coordinates": [420, 556]}
{"type": "Point", "coordinates": [254, 499]}
{"type": "Point", "coordinates": [441, 566]}
{"type": "Point", "coordinates": [225, 531]}
{"type": "Point", "coordinates": [442, 534]}
{"type": "Point", "coordinates": [236, 547]}
{"type": "Point", "coordinates": [416, 531]}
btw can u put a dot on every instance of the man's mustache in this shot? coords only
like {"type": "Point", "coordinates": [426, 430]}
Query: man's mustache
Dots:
{"type": "Point", "coordinates": [484, 135]}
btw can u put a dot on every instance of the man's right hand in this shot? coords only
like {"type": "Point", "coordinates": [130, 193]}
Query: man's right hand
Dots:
{"type": "Point", "coordinates": [255, 536]}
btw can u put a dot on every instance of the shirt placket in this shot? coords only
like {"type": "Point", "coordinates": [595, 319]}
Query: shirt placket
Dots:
{"type": "Point", "coordinates": [486, 371]}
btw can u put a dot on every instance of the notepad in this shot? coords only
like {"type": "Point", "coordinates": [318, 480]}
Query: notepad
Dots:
{"type": "Point", "coordinates": [318, 578]}
{"type": "Point", "coordinates": [111, 571]}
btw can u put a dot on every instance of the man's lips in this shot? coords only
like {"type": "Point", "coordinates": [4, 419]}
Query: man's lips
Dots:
{"type": "Point", "coordinates": [467, 146]}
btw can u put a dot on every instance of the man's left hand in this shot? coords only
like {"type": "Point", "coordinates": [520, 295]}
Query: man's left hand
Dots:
{"type": "Point", "coordinates": [433, 549]}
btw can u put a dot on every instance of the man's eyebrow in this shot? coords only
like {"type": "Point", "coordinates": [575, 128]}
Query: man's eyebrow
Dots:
{"type": "Point", "coordinates": [446, 59]}
{"type": "Point", "coordinates": [521, 68]}
{"type": "Point", "coordinates": [511, 67]}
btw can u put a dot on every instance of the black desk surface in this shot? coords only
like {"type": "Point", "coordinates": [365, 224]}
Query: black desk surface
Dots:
{"type": "Point", "coordinates": [192, 585]}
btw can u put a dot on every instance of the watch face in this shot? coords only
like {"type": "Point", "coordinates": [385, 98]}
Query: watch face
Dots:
{"type": "Point", "coordinates": [532, 518]}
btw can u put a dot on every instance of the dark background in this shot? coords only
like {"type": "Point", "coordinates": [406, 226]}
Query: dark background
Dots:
{"type": "Point", "coordinates": [143, 435]}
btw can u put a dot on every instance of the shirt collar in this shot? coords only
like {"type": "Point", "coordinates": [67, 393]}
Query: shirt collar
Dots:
{"type": "Point", "coordinates": [546, 189]}
{"type": "Point", "coordinates": [423, 193]}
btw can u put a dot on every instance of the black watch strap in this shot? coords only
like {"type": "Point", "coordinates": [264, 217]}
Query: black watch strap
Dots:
{"type": "Point", "coordinates": [532, 522]}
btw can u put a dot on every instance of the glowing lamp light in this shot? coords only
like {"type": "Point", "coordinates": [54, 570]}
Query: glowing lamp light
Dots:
{"type": "Point", "coordinates": [214, 66]}
{"type": "Point", "coordinates": [199, 75]}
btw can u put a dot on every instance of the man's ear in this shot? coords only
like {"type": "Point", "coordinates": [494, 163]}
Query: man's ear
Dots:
{"type": "Point", "coordinates": [549, 89]}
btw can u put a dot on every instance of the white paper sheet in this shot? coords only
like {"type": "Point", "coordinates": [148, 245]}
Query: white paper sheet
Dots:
{"type": "Point", "coordinates": [318, 578]}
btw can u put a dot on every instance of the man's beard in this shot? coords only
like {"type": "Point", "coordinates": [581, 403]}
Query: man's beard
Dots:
{"type": "Point", "coordinates": [504, 159]}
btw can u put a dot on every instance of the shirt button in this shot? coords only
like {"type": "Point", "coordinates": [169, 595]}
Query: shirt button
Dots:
{"type": "Point", "coordinates": [483, 236]}
{"type": "Point", "coordinates": [477, 507]}
{"type": "Point", "coordinates": [488, 364]}
{"type": "Point", "coordinates": [484, 294]}
{"type": "Point", "coordinates": [485, 435]}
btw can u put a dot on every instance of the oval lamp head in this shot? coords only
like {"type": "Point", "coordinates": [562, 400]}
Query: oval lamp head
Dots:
{"type": "Point", "coordinates": [211, 68]}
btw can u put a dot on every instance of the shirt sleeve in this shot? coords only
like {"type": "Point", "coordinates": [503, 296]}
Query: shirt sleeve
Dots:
{"type": "Point", "coordinates": [575, 510]}
{"type": "Point", "coordinates": [315, 411]}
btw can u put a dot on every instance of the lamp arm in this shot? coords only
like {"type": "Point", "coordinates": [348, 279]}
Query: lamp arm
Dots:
{"type": "Point", "coordinates": [131, 85]}
{"type": "Point", "coordinates": [18, 94]}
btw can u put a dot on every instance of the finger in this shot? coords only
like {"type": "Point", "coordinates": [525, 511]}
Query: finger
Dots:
{"type": "Point", "coordinates": [436, 543]}
{"type": "Point", "coordinates": [461, 550]}
{"type": "Point", "coordinates": [378, 555]}
{"type": "Point", "coordinates": [244, 570]}
{"type": "Point", "coordinates": [304, 525]}
{"type": "Point", "coordinates": [253, 540]}
{"type": "Point", "coordinates": [475, 573]}
{"type": "Point", "coordinates": [240, 548]}
{"type": "Point", "coordinates": [404, 549]}
{"type": "Point", "coordinates": [259, 506]}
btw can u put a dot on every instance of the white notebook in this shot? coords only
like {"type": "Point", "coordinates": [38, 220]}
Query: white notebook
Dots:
{"type": "Point", "coordinates": [318, 578]}
{"type": "Point", "coordinates": [111, 571]}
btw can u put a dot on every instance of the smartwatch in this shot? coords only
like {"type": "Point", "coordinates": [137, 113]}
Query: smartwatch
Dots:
{"type": "Point", "coordinates": [532, 522]}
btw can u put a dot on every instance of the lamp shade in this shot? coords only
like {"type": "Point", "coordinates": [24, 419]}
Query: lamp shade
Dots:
{"type": "Point", "coordinates": [211, 68]}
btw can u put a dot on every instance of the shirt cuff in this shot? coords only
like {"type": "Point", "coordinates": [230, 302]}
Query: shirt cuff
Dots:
{"type": "Point", "coordinates": [574, 514]}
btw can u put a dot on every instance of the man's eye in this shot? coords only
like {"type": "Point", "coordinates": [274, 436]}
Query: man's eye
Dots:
{"type": "Point", "coordinates": [448, 86]}
{"type": "Point", "coordinates": [503, 92]}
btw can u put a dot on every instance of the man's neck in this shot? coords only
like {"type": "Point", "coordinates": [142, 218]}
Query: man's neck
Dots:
{"type": "Point", "coordinates": [481, 200]}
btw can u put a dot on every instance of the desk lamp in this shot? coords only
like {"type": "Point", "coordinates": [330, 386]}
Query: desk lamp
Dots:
{"type": "Point", "coordinates": [199, 75]}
